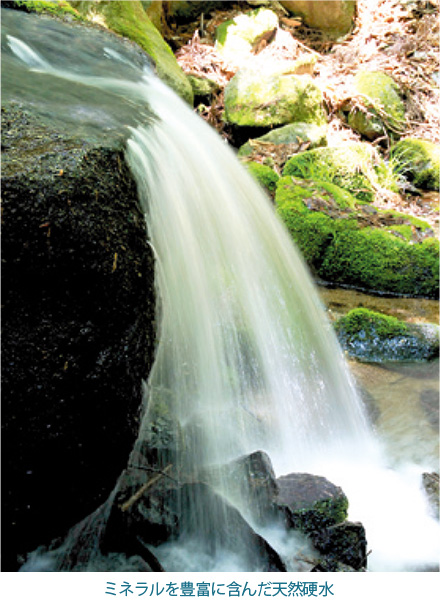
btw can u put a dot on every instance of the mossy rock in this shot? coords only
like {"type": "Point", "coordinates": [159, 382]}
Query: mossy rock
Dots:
{"type": "Point", "coordinates": [54, 8]}
{"type": "Point", "coordinates": [310, 503]}
{"type": "Point", "coordinates": [335, 17]}
{"type": "Point", "coordinates": [293, 133]}
{"type": "Point", "coordinates": [386, 111]}
{"type": "Point", "coordinates": [258, 98]}
{"type": "Point", "coordinates": [371, 336]}
{"type": "Point", "coordinates": [203, 87]}
{"type": "Point", "coordinates": [356, 167]}
{"type": "Point", "coordinates": [129, 19]}
{"type": "Point", "coordinates": [419, 161]}
{"type": "Point", "coordinates": [343, 244]}
{"type": "Point", "coordinates": [265, 176]}
{"type": "Point", "coordinates": [236, 37]}
{"type": "Point", "coordinates": [378, 261]}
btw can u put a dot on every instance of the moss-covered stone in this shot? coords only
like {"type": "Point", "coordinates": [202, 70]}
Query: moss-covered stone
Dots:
{"type": "Point", "coordinates": [344, 243]}
{"type": "Point", "coordinates": [59, 8]}
{"type": "Point", "coordinates": [262, 98]}
{"type": "Point", "coordinates": [310, 503]}
{"type": "Point", "coordinates": [371, 336]}
{"type": "Point", "coordinates": [264, 175]}
{"type": "Point", "coordinates": [292, 134]}
{"type": "Point", "coordinates": [386, 111]}
{"type": "Point", "coordinates": [129, 19]}
{"type": "Point", "coordinates": [334, 17]}
{"type": "Point", "coordinates": [378, 261]}
{"type": "Point", "coordinates": [356, 167]}
{"type": "Point", "coordinates": [419, 161]}
{"type": "Point", "coordinates": [235, 38]}
{"type": "Point", "coordinates": [203, 88]}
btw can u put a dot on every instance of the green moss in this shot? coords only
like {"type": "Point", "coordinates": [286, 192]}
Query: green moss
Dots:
{"type": "Point", "coordinates": [59, 9]}
{"type": "Point", "coordinates": [129, 19]}
{"type": "Point", "coordinates": [313, 231]}
{"type": "Point", "coordinates": [264, 175]}
{"type": "Point", "coordinates": [371, 336]}
{"type": "Point", "coordinates": [382, 98]}
{"type": "Point", "coordinates": [371, 323]}
{"type": "Point", "coordinates": [377, 260]}
{"type": "Point", "coordinates": [338, 249]}
{"type": "Point", "coordinates": [419, 161]}
{"type": "Point", "coordinates": [323, 514]}
{"type": "Point", "coordinates": [354, 167]}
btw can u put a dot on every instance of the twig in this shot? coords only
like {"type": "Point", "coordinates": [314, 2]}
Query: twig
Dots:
{"type": "Point", "coordinates": [140, 492]}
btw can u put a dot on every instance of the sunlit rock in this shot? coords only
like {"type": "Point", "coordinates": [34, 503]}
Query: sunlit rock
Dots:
{"type": "Point", "coordinates": [334, 17]}
{"type": "Point", "coordinates": [264, 95]}
{"type": "Point", "coordinates": [385, 111]}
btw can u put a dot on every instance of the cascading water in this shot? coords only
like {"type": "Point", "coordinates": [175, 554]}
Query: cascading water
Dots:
{"type": "Point", "coordinates": [246, 359]}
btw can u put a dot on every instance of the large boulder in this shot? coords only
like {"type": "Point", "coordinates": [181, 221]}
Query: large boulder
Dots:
{"type": "Point", "coordinates": [78, 334]}
{"type": "Point", "coordinates": [334, 17]}
{"type": "Point", "coordinates": [374, 337]}
{"type": "Point", "coordinates": [261, 96]}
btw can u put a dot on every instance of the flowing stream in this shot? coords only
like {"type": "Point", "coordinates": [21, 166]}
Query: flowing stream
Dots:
{"type": "Point", "coordinates": [246, 358]}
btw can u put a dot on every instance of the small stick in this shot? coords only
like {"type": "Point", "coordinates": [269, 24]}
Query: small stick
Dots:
{"type": "Point", "coordinates": [140, 492]}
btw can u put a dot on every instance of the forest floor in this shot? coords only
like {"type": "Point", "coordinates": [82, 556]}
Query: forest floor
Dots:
{"type": "Point", "coordinates": [400, 38]}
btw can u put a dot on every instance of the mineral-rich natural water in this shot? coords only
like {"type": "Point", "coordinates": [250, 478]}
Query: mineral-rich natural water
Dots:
{"type": "Point", "coordinates": [246, 358]}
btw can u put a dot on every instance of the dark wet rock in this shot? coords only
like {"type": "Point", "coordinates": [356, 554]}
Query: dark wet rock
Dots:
{"type": "Point", "coordinates": [430, 482]}
{"type": "Point", "coordinates": [310, 503]}
{"type": "Point", "coordinates": [343, 543]}
{"type": "Point", "coordinates": [167, 510]}
{"type": "Point", "coordinates": [253, 480]}
{"type": "Point", "coordinates": [78, 321]}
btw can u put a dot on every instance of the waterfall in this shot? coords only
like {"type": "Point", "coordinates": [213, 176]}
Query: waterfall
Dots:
{"type": "Point", "coordinates": [246, 358]}
{"type": "Point", "coordinates": [244, 342]}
